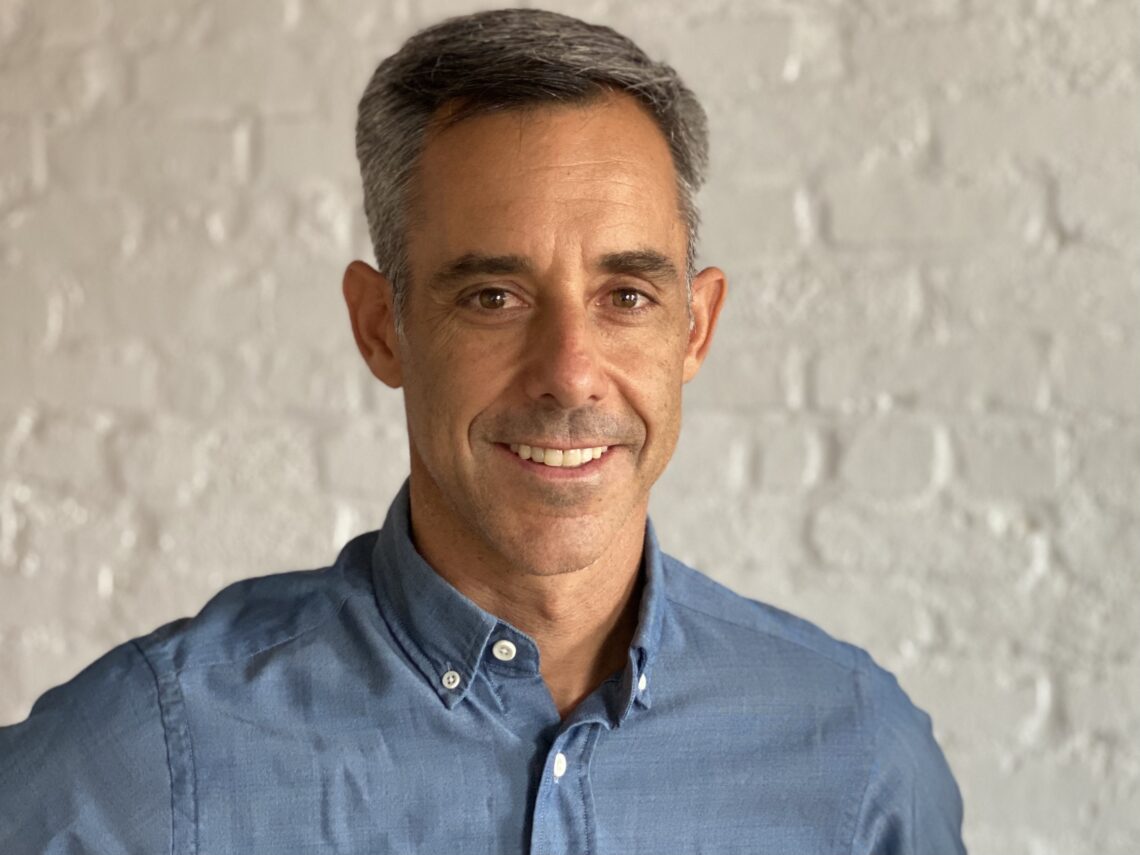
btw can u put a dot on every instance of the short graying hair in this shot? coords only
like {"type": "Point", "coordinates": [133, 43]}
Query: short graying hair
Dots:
{"type": "Point", "coordinates": [501, 60]}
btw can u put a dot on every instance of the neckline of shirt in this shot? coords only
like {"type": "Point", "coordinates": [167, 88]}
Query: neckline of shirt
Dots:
{"type": "Point", "coordinates": [448, 637]}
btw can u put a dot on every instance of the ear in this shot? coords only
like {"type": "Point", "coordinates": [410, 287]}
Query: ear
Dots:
{"type": "Point", "coordinates": [368, 294]}
{"type": "Point", "coordinates": [709, 289]}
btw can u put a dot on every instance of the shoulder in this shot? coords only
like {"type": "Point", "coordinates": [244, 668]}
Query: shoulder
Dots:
{"type": "Point", "coordinates": [256, 614]}
{"type": "Point", "coordinates": [911, 802]}
{"type": "Point", "coordinates": [96, 764]}
{"type": "Point", "coordinates": [908, 801]}
{"type": "Point", "coordinates": [87, 771]}
{"type": "Point", "coordinates": [752, 626]}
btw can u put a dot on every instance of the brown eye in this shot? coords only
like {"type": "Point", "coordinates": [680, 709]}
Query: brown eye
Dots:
{"type": "Point", "coordinates": [626, 298]}
{"type": "Point", "coordinates": [492, 298]}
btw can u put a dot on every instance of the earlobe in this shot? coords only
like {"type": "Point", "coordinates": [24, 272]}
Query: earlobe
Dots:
{"type": "Point", "coordinates": [368, 295]}
{"type": "Point", "coordinates": [709, 289]}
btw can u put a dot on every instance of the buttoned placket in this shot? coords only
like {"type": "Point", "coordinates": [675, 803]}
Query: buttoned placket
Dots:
{"type": "Point", "coordinates": [481, 665]}
{"type": "Point", "coordinates": [562, 812]}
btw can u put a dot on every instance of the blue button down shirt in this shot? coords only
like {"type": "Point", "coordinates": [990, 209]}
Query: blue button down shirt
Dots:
{"type": "Point", "coordinates": [310, 713]}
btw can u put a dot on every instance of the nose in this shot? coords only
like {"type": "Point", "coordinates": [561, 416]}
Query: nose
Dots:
{"type": "Point", "coordinates": [564, 361]}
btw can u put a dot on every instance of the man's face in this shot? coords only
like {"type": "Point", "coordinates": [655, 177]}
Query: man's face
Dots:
{"type": "Point", "coordinates": [547, 308]}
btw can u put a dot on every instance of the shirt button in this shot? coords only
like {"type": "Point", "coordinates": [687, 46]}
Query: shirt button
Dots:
{"type": "Point", "coordinates": [451, 679]}
{"type": "Point", "coordinates": [559, 765]}
{"type": "Point", "coordinates": [504, 650]}
{"type": "Point", "coordinates": [642, 683]}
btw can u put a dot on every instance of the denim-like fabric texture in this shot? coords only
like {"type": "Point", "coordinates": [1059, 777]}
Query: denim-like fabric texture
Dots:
{"type": "Point", "coordinates": [307, 713]}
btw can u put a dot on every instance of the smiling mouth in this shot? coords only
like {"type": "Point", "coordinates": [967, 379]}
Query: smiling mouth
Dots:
{"type": "Point", "coordinates": [559, 458]}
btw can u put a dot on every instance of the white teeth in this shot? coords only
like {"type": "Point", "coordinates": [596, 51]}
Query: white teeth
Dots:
{"type": "Point", "coordinates": [559, 458]}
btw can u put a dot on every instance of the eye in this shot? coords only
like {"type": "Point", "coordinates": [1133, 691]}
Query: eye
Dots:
{"type": "Point", "coordinates": [628, 298]}
{"type": "Point", "coordinates": [491, 298]}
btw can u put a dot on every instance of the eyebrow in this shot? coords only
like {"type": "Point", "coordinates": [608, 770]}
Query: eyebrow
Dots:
{"type": "Point", "coordinates": [648, 264]}
{"type": "Point", "coordinates": [477, 264]}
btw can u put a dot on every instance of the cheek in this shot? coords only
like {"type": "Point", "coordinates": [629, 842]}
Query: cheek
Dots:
{"type": "Point", "coordinates": [448, 388]}
{"type": "Point", "coordinates": [653, 382]}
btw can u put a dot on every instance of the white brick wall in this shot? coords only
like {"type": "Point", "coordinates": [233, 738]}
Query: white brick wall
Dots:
{"type": "Point", "coordinates": [920, 426]}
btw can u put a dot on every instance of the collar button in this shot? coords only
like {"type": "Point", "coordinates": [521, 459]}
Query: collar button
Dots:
{"type": "Point", "coordinates": [504, 650]}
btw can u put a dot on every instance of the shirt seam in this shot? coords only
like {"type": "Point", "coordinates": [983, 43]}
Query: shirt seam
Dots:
{"type": "Point", "coordinates": [165, 735]}
{"type": "Point", "coordinates": [848, 666]}
{"type": "Point", "coordinates": [872, 766]}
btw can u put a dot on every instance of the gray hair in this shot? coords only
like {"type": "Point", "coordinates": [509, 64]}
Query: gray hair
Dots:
{"type": "Point", "coordinates": [501, 60]}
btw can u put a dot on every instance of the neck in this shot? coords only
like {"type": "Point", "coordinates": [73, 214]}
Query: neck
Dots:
{"type": "Point", "coordinates": [583, 620]}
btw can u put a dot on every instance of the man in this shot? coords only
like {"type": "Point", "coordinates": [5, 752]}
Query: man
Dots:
{"type": "Point", "coordinates": [510, 664]}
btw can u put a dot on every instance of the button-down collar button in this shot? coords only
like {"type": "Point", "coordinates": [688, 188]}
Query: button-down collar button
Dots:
{"type": "Point", "coordinates": [642, 683]}
{"type": "Point", "coordinates": [559, 765]}
{"type": "Point", "coordinates": [504, 650]}
{"type": "Point", "coordinates": [451, 679]}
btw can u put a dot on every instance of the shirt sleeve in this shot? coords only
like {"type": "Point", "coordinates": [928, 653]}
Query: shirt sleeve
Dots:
{"type": "Point", "coordinates": [87, 771]}
{"type": "Point", "coordinates": [911, 805]}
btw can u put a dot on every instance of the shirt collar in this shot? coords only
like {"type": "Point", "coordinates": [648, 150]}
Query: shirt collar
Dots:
{"type": "Point", "coordinates": [446, 635]}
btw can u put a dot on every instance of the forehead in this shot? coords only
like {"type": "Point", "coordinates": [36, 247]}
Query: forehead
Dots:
{"type": "Point", "coordinates": [596, 177]}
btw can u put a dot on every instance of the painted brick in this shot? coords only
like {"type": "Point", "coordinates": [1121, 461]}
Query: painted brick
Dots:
{"type": "Point", "coordinates": [1080, 287]}
{"type": "Point", "coordinates": [60, 453]}
{"type": "Point", "coordinates": [994, 370]}
{"type": "Point", "coordinates": [368, 459]}
{"type": "Point", "coordinates": [1102, 207]}
{"type": "Point", "coordinates": [817, 49]}
{"type": "Point", "coordinates": [63, 84]}
{"type": "Point", "coordinates": [122, 376]}
{"type": "Point", "coordinates": [815, 131]}
{"type": "Point", "coordinates": [140, 24]}
{"type": "Point", "coordinates": [895, 12]}
{"type": "Point", "coordinates": [758, 539]}
{"type": "Point", "coordinates": [881, 210]}
{"type": "Point", "coordinates": [293, 150]}
{"type": "Point", "coordinates": [141, 154]}
{"type": "Point", "coordinates": [1074, 131]}
{"type": "Point", "coordinates": [750, 213]}
{"type": "Point", "coordinates": [162, 464]}
{"type": "Point", "coordinates": [892, 458]}
{"type": "Point", "coordinates": [302, 379]}
{"type": "Point", "coordinates": [979, 55]}
{"type": "Point", "coordinates": [273, 81]}
{"type": "Point", "coordinates": [1083, 47]}
{"type": "Point", "coordinates": [17, 162]}
{"type": "Point", "coordinates": [1098, 374]}
{"type": "Point", "coordinates": [791, 455]}
{"type": "Point", "coordinates": [922, 542]}
{"type": "Point", "coordinates": [1108, 464]}
{"type": "Point", "coordinates": [818, 298]}
{"type": "Point", "coordinates": [110, 228]}
{"type": "Point", "coordinates": [69, 22]}
{"type": "Point", "coordinates": [1006, 459]}
{"type": "Point", "coordinates": [757, 380]}
{"type": "Point", "coordinates": [748, 57]}
{"type": "Point", "coordinates": [728, 469]}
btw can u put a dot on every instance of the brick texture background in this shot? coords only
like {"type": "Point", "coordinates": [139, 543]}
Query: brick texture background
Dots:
{"type": "Point", "coordinates": [920, 426]}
